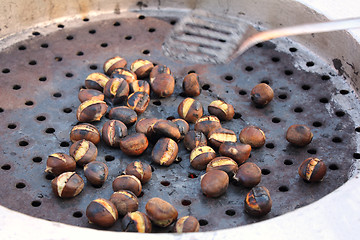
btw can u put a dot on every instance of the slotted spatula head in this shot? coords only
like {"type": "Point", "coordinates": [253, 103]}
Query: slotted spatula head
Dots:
{"type": "Point", "coordinates": [204, 37]}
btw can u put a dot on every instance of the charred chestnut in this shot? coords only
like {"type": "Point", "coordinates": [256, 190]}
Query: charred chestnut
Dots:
{"type": "Point", "coordinates": [138, 101]}
{"type": "Point", "coordinates": [158, 69]}
{"type": "Point", "coordinates": [194, 139]}
{"type": "Point", "coordinates": [248, 175]}
{"type": "Point", "coordinates": [201, 156]}
{"type": "Point", "coordinates": [116, 90]}
{"type": "Point", "coordinates": [253, 136]}
{"type": "Point", "coordinates": [91, 110]}
{"type": "Point", "coordinates": [83, 152]}
{"type": "Point", "coordinates": [160, 212]}
{"type": "Point", "coordinates": [112, 132]}
{"type": "Point", "coordinates": [299, 135]}
{"type": "Point", "coordinates": [140, 86]}
{"type": "Point", "coordinates": [214, 183]}
{"type": "Point", "coordinates": [191, 86]}
{"type": "Point", "coordinates": [127, 182]}
{"type": "Point", "coordinates": [206, 124]}
{"type": "Point", "coordinates": [67, 185]}
{"type": "Point", "coordinates": [123, 114]}
{"type": "Point", "coordinates": [220, 135]}
{"type": "Point", "coordinates": [141, 68]}
{"type": "Point", "coordinates": [102, 212]}
{"type": "Point", "coordinates": [182, 125]}
{"type": "Point", "coordinates": [136, 222]}
{"type": "Point", "coordinates": [190, 110]}
{"type": "Point", "coordinates": [262, 94]}
{"type": "Point", "coordinates": [134, 144]}
{"type": "Point", "coordinates": [165, 151]}
{"type": "Point", "coordinates": [58, 163]}
{"type": "Point", "coordinates": [124, 73]}
{"type": "Point", "coordinates": [96, 173]}
{"type": "Point", "coordinates": [140, 170]}
{"type": "Point", "coordinates": [163, 128]}
{"type": "Point", "coordinates": [312, 170]}
{"type": "Point", "coordinates": [85, 131]}
{"type": "Point", "coordinates": [111, 64]}
{"type": "Point", "coordinates": [96, 81]}
{"type": "Point", "coordinates": [90, 94]}
{"type": "Point", "coordinates": [163, 85]}
{"type": "Point", "coordinates": [225, 164]}
{"type": "Point", "coordinates": [187, 224]}
{"type": "Point", "coordinates": [224, 111]}
{"type": "Point", "coordinates": [239, 152]}
{"type": "Point", "coordinates": [125, 201]}
{"type": "Point", "coordinates": [258, 201]}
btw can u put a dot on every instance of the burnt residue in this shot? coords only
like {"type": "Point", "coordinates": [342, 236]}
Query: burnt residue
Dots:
{"type": "Point", "coordinates": [338, 66]}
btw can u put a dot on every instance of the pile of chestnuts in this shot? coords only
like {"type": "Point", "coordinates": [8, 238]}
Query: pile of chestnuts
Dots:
{"type": "Point", "coordinates": [218, 151]}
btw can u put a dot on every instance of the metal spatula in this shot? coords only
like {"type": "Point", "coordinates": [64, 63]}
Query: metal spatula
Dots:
{"type": "Point", "coordinates": [203, 37]}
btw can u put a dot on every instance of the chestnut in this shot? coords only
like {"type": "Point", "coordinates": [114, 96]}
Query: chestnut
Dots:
{"type": "Point", "coordinates": [182, 125]}
{"type": "Point", "coordinates": [194, 139]}
{"type": "Point", "coordinates": [214, 183]}
{"type": "Point", "coordinates": [225, 164]}
{"type": "Point", "coordinates": [187, 224]}
{"type": "Point", "coordinates": [158, 69]}
{"type": "Point", "coordinates": [191, 86]}
{"type": "Point", "coordinates": [253, 136]}
{"type": "Point", "coordinates": [163, 128]}
{"type": "Point", "coordinates": [201, 156]}
{"type": "Point", "coordinates": [112, 132]}
{"type": "Point", "coordinates": [160, 212]}
{"type": "Point", "coordinates": [262, 94]}
{"type": "Point", "coordinates": [58, 163]}
{"type": "Point", "coordinates": [115, 62]}
{"type": "Point", "coordinates": [91, 110]}
{"type": "Point", "coordinates": [164, 152]}
{"type": "Point", "coordinates": [143, 125]}
{"type": "Point", "coordinates": [224, 111]}
{"type": "Point", "coordinates": [136, 222]}
{"type": "Point", "coordinates": [190, 110]}
{"type": "Point", "coordinates": [134, 144]}
{"type": "Point", "coordinates": [248, 175]}
{"type": "Point", "coordinates": [102, 212]}
{"type": "Point", "coordinates": [220, 135]}
{"type": "Point", "coordinates": [90, 94]}
{"type": "Point", "coordinates": [83, 152]}
{"type": "Point", "coordinates": [96, 173]}
{"type": "Point", "coordinates": [67, 185]}
{"type": "Point", "coordinates": [163, 85]}
{"type": "Point", "coordinates": [312, 170]}
{"type": "Point", "coordinates": [140, 86]}
{"type": "Point", "coordinates": [127, 182]}
{"type": "Point", "coordinates": [123, 114]}
{"type": "Point", "coordinates": [299, 135]}
{"type": "Point", "coordinates": [96, 81]}
{"type": "Point", "coordinates": [141, 67]}
{"type": "Point", "coordinates": [140, 170]}
{"type": "Point", "coordinates": [138, 101]}
{"type": "Point", "coordinates": [206, 124]}
{"type": "Point", "coordinates": [125, 201]}
{"type": "Point", "coordinates": [85, 131]}
{"type": "Point", "coordinates": [258, 201]}
{"type": "Point", "coordinates": [128, 75]}
{"type": "Point", "coordinates": [116, 90]}
{"type": "Point", "coordinates": [239, 152]}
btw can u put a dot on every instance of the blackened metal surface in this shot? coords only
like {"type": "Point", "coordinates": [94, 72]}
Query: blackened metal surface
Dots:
{"type": "Point", "coordinates": [40, 80]}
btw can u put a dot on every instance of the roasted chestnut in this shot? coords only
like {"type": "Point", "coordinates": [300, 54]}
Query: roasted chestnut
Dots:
{"type": "Point", "coordinates": [239, 152]}
{"type": "Point", "coordinates": [182, 125]}
{"type": "Point", "coordinates": [91, 110]}
{"type": "Point", "coordinates": [112, 132]}
{"type": "Point", "coordinates": [187, 224]}
{"type": "Point", "coordinates": [58, 163]}
{"type": "Point", "coordinates": [191, 86]}
{"type": "Point", "coordinates": [83, 152]}
{"type": "Point", "coordinates": [67, 185]}
{"type": "Point", "coordinates": [258, 201]}
{"type": "Point", "coordinates": [299, 135]}
{"type": "Point", "coordinates": [158, 69]}
{"type": "Point", "coordinates": [312, 170]}
{"type": "Point", "coordinates": [140, 170]}
{"type": "Point", "coordinates": [163, 85]}
{"type": "Point", "coordinates": [214, 183]}
{"type": "Point", "coordinates": [96, 173]}
{"type": "Point", "coordinates": [190, 110]}
{"type": "Point", "coordinates": [253, 136]}
{"type": "Point", "coordinates": [165, 151]}
{"type": "Point", "coordinates": [160, 212]}
{"type": "Point", "coordinates": [224, 111]}
{"type": "Point", "coordinates": [141, 68]}
{"type": "Point", "coordinates": [138, 101]}
{"type": "Point", "coordinates": [136, 222]}
{"type": "Point", "coordinates": [262, 94]}
{"type": "Point", "coordinates": [134, 144]}
{"type": "Point", "coordinates": [220, 135]}
{"type": "Point", "coordinates": [102, 212]}
{"type": "Point", "coordinates": [111, 64]}
{"type": "Point", "coordinates": [124, 73]}
{"type": "Point", "coordinates": [163, 128]}
{"type": "Point", "coordinates": [194, 139]}
{"type": "Point", "coordinates": [96, 81]}
{"type": "Point", "coordinates": [127, 182]}
{"type": "Point", "coordinates": [140, 86]}
{"type": "Point", "coordinates": [248, 175]}
{"type": "Point", "coordinates": [125, 201]}
{"type": "Point", "coordinates": [143, 125]}
{"type": "Point", "coordinates": [90, 94]}
{"type": "Point", "coordinates": [201, 156]}
{"type": "Point", "coordinates": [225, 164]}
{"type": "Point", "coordinates": [116, 90]}
{"type": "Point", "coordinates": [85, 131]}
{"type": "Point", "coordinates": [206, 124]}
{"type": "Point", "coordinates": [123, 114]}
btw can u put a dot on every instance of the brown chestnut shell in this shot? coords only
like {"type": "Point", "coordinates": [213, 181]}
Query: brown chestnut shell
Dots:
{"type": "Point", "coordinates": [248, 175]}
{"type": "Point", "coordinates": [67, 185]}
{"type": "Point", "coordinates": [139, 169]}
{"type": "Point", "coordinates": [58, 163]}
{"type": "Point", "coordinates": [253, 136]}
{"type": "Point", "coordinates": [258, 201]}
{"type": "Point", "coordinates": [83, 152]}
{"type": "Point", "coordinates": [134, 144]}
{"type": "Point", "coordinates": [85, 131]}
{"type": "Point", "coordinates": [164, 152]}
{"type": "Point", "coordinates": [194, 139]}
{"type": "Point", "coordinates": [127, 182]}
{"type": "Point", "coordinates": [96, 173]}
{"type": "Point", "coordinates": [239, 152]}
{"type": "Point", "coordinates": [300, 135]}
{"type": "Point", "coordinates": [125, 201]}
{"type": "Point", "coordinates": [160, 212]}
{"type": "Point", "coordinates": [102, 212]}
{"type": "Point", "coordinates": [113, 131]}
{"type": "Point", "coordinates": [136, 222]}
{"type": "Point", "coordinates": [214, 183]}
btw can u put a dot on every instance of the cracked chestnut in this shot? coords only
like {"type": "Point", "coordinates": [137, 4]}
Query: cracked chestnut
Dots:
{"type": "Point", "coordinates": [194, 139]}
{"type": "Point", "coordinates": [299, 135]}
{"type": "Point", "coordinates": [248, 175]}
{"type": "Point", "coordinates": [158, 69]}
{"type": "Point", "coordinates": [163, 85]}
{"type": "Point", "coordinates": [214, 183]}
{"type": "Point", "coordinates": [201, 156]}
{"type": "Point", "coordinates": [127, 182]}
{"type": "Point", "coordinates": [128, 75]}
{"type": "Point", "coordinates": [138, 101]}
{"type": "Point", "coordinates": [140, 170]}
{"type": "Point", "coordinates": [190, 110]}
{"type": "Point", "coordinates": [160, 212]}
{"type": "Point", "coordinates": [182, 125]}
{"type": "Point", "coordinates": [191, 86]}
{"type": "Point", "coordinates": [115, 62]}
{"type": "Point", "coordinates": [58, 163]}
{"type": "Point", "coordinates": [113, 131]}
{"type": "Point", "coordinates": [239, 152]}
{"type": "Point", "coordinates": [141, 68]}
{"type": "Point", "coordinates": [312, 169]}
{"type": "Point", "coordinates": [140, 86]}
{"type": "Point", "coordinates": [136, 222]}
{"type": "Point", "coordinates": [225, 164]}
{"type": "Point", "coordinates": [90, 94]}
{"type": "Point", "coordinates": [164, 152]}
{"type": "Point", "coordinates": [83, 152]}
{"type": "Point", "coordinates": [123, 114]}
{"type": "Point", "coordinates": [220, 135]}
{"type": "Point", "coordinates": [258, 201]}
{"type": "Point", "coordinates": [102, 212]}
{"type": "Point", "coordinates": [134, 144]}
{"type": "Point", "coordinates": [91, 110]}
{"type": "Point", "coordinates": [67, 185]}
{"type": "Point", "coordinates": [96, 81]}
{"type": "Point", "coordinates": [262, 94]}
{"type": "Point", "coordinates": [224, 111]}
{"type": "Point", "coordinates": [96, 173]}
{"type": "Point", "coordinates": [85, 131]}
{"type": "Point", "coordinates": [187, 224]}
{"type": "Point", "coordinates": [125, 201]}
{"type": "Point", "coordinates": [206, 124]}
{"type": "Point", "coordinates": [163, 128]}
{"type": "Point", "coordinates": [116, 90]}
{"type": "Point", "coordinates": [253, 136]}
